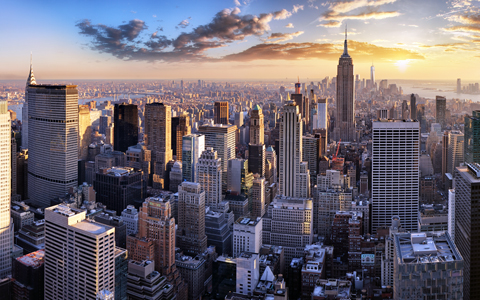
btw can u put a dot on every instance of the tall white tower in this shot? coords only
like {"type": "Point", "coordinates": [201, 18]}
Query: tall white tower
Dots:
{"type": "Point", "coordinates": [209, 176]}
{"type": "Point", "coordinates": [6, 223]}
{"type": "Point", "coordinates": [372, 76]}
{"type": "Point", "coordinates": [290, 154]}
{"type": "Point", "coordinates": [395, 173]}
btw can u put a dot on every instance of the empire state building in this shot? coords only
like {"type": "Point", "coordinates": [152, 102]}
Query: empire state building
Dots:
{"type": "Point", "coordinates": [345, 103]}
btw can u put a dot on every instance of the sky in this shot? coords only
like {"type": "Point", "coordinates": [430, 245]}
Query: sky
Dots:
{"type": "Point", "coordinates": [239, 39]}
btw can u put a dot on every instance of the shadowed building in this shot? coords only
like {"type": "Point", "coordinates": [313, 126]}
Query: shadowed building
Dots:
{"type": "Point", "coordinates": [125, 128]}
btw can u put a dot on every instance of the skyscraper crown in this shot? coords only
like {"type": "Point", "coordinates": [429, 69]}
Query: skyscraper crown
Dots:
{"type": "Point", "coordinates": [31, 77]}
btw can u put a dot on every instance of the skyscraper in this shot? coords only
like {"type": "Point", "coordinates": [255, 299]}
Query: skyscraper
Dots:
{"type": "Point", "coordinates": [345, 101]}
{"type": "Point", "coordinates": [53, 140]}
{"type": "Point", "coordinates": [258, 196]}
{"type": "Point", "coordinates": [125, 128]}
{"type": "Point", "coordinates": [180, 128]}
{"type": "Point", "coordinates": [413, 107]}
{"type": "Point", "coordinates": [209, 176]}
{"type": "Point", "coordinates": [158, 118]}
{"type": "Point", "coordinates": [30, 81]}
{"type": "Point", "coordinates": [84, 131]}
{"type": "Point", "coordinates": [395, 173]}
{"type": "Point", "coordinates": [191, 218]}
{"type": "Point", "coordinates": [221, 110]}
{"type": "Point", "coordinates": [222, 139]}
{"type": "Point", "coordinates": [6, 224]}
{"type": "Point", "coordinates": [192, 147]}
{"type": "Point", "coordinates": [79, 255]}
{"type": "Point", "coordinates": [467, 229]}
{"type": "Point", "coordinates": [455, 150]}
{"type": "Point", "coordinates": [472, 138]}
{"type": "Point", "coordinates": [372, 75]}
{"type": "Point", "coordinates": [440, 108]}
{"type": "Point", "coordinates": [459, 85]}
{"type": "Point", "coordinates": [290, 151]}
{"type": "Point", "coordinates": [256, 147]}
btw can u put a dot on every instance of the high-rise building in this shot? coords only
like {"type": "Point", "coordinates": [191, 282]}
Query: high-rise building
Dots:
{"type": "Point", "coordinates": [6, 223]}
{"type": "Point", "coordinates": [345, 102]}
{"type": "Point", "coordinates": [239, 119]}
{"type": "Point", "coordinates": [125, 128]}
{"type": "Point", "coordinates": [440, 110]}
{"type": "Point", "coordinates": [84, 131]}
{"type": "Point", "coordinates": [146, 283]}
{"type": "Point", "coordinates": [256, 147]}
{"type": "Point", "coordinates": [413, 107]}
{"type": "Point", "coordinates": [455, 150]}
{"type": "Point", "coordinates": [209, 176]}
{"type": "Point", "coordinates": [175, 177]}
{"type": "Point", "coordinates": [311, 152]}
{"type": "Point", "coordinates": [119, 187]}
{"type": "Point", "coordinates": [221, 110]}
{"type": "Point", "coordinates": [158, 118]}
{"type": "Point", "coordinates": [30, 81]}
{"type": "Point", "coordinates": [467, 229]}
{"type": "Point", "coordinates": [239, 179]}
{"type": "Point", "coordinates": [247, 235]}
{"type": "Point", "coordinates": [222, 139]}
{"type": "Point", "coordinates": [472, 138]}
{"type": "Point", "coordinates": [427, 267]}
{"type": "Point", "coordinates": [156, 223]}
{"type": "Point", "coordinates": [451, 213]}
{"type": "Point", "coordinates": [288, 223]}
{"type": "Point", "coordinates": [28, 272]}
{"type": "Point", "coordinates": [258, 196]}
{"type": "Point", "coordinates": [321, 119]}
{"type": "Point", "coordinates": [257, 126]}
{"type": "Point", "coordinates": [130, 219]}
{"type": "Point", "coordinates": [271, 156]}
{"type": "Point", "coordinates": [395, 173]}
{"type": "Point", "coordinates": [459, 85]}
{"type": "Point", "coordinates": [193, 146]}
{"type": "Point", "coordinates": [372, 76]}
{"type": "Point", "coordinates": [445, 139]}
{"type": "Point", "coordinates": [191, 218]}
{"type": "Point", "coordinates": [53, 141]}
{"type": "Point", "coordinates": [247, 272]}
{"type": "Point", "coordinates": [79, 255]}
{"type": "Point", "coordinates": [291, 135]}
{"type": "Point", "coordinates": [180, 128]}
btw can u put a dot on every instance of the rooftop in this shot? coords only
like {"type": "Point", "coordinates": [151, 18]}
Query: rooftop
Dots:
{"type": "Point", "coordinates": [92, 227]}
{"type": "Point", "coordinates": [248, 221]}
{"type": "Point", "coordinates": [66, 211]}
{"type": "Point", "coordinates": [34, 259]}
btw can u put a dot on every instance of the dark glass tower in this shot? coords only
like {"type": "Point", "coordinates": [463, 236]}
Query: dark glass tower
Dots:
{"type": "Point", "coordinates": [125, 130]}
{"type": "Point", "coordinates": [472, 138]}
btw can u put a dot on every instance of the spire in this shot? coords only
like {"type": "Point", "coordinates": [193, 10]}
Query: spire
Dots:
{"type": "Point", "coordinates": [31, 77]}
{"type": "Point", "coordinates": [345, 48]}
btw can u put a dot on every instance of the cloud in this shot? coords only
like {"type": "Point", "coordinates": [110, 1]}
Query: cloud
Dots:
{"type": "Point", "coordinates": [463, 29]}
{"type": "Point", "coordinates": [360, 51]}
{"type": "Point", "coordinates": [330, 24]}
{"type": "Point", "coordinates": [289, 25]}
{"type": "Point", "coordinates": [183, 24]}
{"type": "Point", "coordinates": [450, 47]}
{"type": "Point", "coordinates": [133, 12]}
{"type": "Point", "coordinates": [122, 42]}
{"type": "Point", "coordinates": [282, 14]}
{"type": "Point", "coordinates": [154, 16]}
{"type": "Point", "coordinates": [413, 25]}
{"type": "Point", "coordinates": [236, 2]}
{"type": "Point", "coordinates": [341, 10]}
{"type": "Point", "coordinates": [296, 8]}
{"type": "Point", "coordinates": [282, 37]}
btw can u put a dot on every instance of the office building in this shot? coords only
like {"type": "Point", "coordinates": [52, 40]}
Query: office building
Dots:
{"type": "Point", "coordinates": [247, 273]}
{"type": "Point", "coordinates": [395, 173]}
{"type": "Point", "coordinates": [30, 81]}
{"type": "Point", "coordinates": [258, 196]}
{"type": "Point", "coordinates": [146, 283]}
{"type": "Point", "coordinates": [158, 119]}
{"type": "Point", "coordinates": [290, 155]}
{"type": "Point", "coordinates": [156, 223]}
{"type": "Point", "coordinates": [6, 224]}
{"type": "Point", "coordinates": [440, 110]}
{"type": "Point", "coordinates": [194, 271]}
{"type": "Point", "coordinates": [239, 116]}
{"type": "Point", "coordinates": [345, 101]}
{"type": "Point", "coordinates": [21, 215]}
{"type": "Point", "coordinates": [247, 235]}
{"type": "Point", "coordinates": [311, 152]}
{"type": "Point", "coordinates": [271, 157]}
{"type": "Point", "coordinates": [130, 219]}
{"type": "Point", "coordinates": [472, 138]}
{"type": "Point", "coordinates": [28, 272]}
{"type": "Point", "coordinates": [109, 159]}
{"type": "Point", "coordinates": [84, 131]}
{"type": "Point", "coordinates": [119, 187]}
{"type": "Point", "coordinates": [256, 159]}
{"type": "Point", "coordinates": [217, 229]}
{"type": "Point", "coordinates": [467, 181]}
{"type": "Point", "coordinates": [209, 176]}
{"type": "Point", "coordinates": [320, 121]}
{"type": "Point", "coordinates": [455, 150]}
{"type": "Point", "coordinates": [427, 266]}
{"type": "Point", "coordinates": [459, 85]}
{"type": "Point", "coordinates": [175, 176]}
{"type": "Point", "coordinates": [240, 179]}
{"type": "Point", "coordinates": [139, 157]}
{"type": "Point", "coordinates": [79, 255]}
{"type": "Point", "coordinates": [53, 137]}
{"type": "Point", "coordinates": [31, 237]}
{"type": "Point", "coordinates": [125, 128]}
{"type": "Point", "coordinates": [257, 129]}
{"type": "Point", "coordinates": [180, 128]}
{"type": "Point", "coordinates": [191, 218]}
{"type": "Point", "coordinates": [451, 213]}
{"type": "Point", "coordinates": [288, 223]}
{"type": "Point", "coordinates": [221, 110]}
{"type": "Point", "coordinates": [222, 139]}
{"type": "Point", "coordinates": [413, 107]}
{"type": "Point", "coordinates": [110, 218]}
{"type": "Point", "coordinates": [192, 147]}
{"type": "Point", "coordinates": [121, 269]}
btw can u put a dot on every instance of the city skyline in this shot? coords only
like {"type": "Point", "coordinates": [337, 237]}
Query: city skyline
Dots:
{"type": "Point", "coordinates": [402, 38]}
